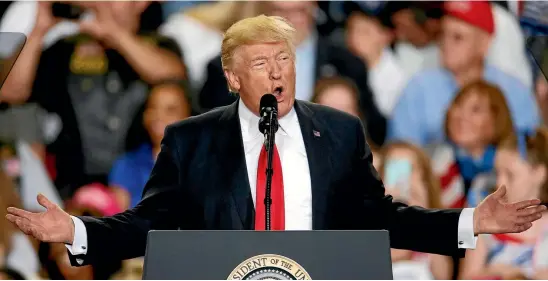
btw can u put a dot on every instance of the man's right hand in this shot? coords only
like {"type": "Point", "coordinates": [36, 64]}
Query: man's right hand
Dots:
{"type": "Point", "coordinates": [53, 225]}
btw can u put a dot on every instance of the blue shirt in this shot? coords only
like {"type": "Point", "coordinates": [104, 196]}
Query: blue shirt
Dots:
{"type": "Point", "coordinates": [131, 172]}
{"type": "Point", "coordinates": [420, 112]}
{"type": "Point", "coordinates": [470, 167]}
{"type": "Point", "coordinates": [305, 68]}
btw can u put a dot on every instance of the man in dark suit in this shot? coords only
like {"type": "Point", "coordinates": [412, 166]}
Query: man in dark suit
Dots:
{"type": "Point", "coordinates": [317, 57]}
{"type": "Point", "coordinates": [210, 173]}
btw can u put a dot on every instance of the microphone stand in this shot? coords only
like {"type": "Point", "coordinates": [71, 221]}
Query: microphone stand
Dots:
{"type": "Point", "coordinates": [270, 141]}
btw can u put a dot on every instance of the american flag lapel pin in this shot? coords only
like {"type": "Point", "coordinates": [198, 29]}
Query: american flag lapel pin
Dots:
{"type": "Point", "coordinates": [316, 133]}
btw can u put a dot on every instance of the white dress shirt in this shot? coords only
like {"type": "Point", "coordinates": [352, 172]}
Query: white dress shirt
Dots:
{"type": "Point", "coordinates": [296, 174]}
{"type": "Point", "coordinates": [296, 179]}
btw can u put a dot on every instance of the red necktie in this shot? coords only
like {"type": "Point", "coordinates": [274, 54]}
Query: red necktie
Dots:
{"type": "Point", "coordinates": [277, 210]}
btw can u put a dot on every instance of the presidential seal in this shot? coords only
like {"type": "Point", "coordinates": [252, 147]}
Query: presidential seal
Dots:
{"type": "Point", "coordinates": [269, 267]}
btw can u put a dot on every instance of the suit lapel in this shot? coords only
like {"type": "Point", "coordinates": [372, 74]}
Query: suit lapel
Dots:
{"type": "Point", "coordinates": [233, 169]}
{"type": "Point", "coordinates": [316, 141]}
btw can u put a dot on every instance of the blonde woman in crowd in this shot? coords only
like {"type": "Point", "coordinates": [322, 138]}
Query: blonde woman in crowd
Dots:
{"type": "Point", "coordinates": [408, 176]}
{"type": "Point", "coordinates": [521, 166]}
{"type": "Point", "coordinates": [477, 120]}
{"type": "Point", "coordinates": [342, 94]}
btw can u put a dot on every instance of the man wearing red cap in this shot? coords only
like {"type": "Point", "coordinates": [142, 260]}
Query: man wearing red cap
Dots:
{"type": "Point", "coordinates": [468, 28]}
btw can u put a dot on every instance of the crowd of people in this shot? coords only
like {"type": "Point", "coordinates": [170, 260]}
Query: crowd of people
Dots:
{"type": "Point", "coordinates": [452, 95]}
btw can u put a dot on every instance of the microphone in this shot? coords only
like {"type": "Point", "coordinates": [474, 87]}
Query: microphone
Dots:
{"type": "Point", "coordinates": [268, 110]}
{"type": "Point", "coordinates": [268, 125]}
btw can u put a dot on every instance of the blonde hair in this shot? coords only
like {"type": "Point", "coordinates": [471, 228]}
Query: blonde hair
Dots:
{"type": "Point", "coordinates": [431, 182]}
{"type": "Point", "coordinates": [259, 29]}
{"type": "Point", "coordinates": [500, 112]}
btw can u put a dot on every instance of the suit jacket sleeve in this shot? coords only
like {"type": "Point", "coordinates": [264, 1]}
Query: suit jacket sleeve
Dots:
{"type": "Point", "coordinates": [124, 235]}
{"type": "Point", "coordinates": [411, 228]}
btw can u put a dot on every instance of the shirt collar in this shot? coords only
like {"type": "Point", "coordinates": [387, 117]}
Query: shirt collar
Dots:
{"type": "Point", "coordinates": [249, 122]}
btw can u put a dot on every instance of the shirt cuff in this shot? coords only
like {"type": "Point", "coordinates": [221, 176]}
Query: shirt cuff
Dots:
{"type": "Point", "coordinates": [467, 239]}
{"type": "Point", "coordinates": [80, 244]}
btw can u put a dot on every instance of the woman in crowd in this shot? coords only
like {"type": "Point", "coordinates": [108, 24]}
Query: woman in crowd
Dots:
{"type": "Point", "coordinates": [167, 103]}
{"type": "Point", "coordinates": [476, 122]}
{"type": "Point", "coordinates": [342, 94]}
{"type": "Point", "coordinates": [522, 166]}
{"type": "Point", "coordinates": [407, 173]}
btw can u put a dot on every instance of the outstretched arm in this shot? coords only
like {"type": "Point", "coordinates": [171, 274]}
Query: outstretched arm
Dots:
{"type": "Point", "coordinates": [436, 231]}
{"type": "Point", "coordinates": [411, 228]}
{"type": "Point", "coordinates": [126, 232]}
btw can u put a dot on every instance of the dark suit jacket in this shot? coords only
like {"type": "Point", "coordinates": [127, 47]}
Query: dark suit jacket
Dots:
{"type": "Point", "coordinates": [331, 60]}
{"type": "Point", "coordinates": [200, 182]}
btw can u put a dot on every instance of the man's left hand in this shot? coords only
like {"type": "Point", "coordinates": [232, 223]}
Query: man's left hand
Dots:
{"type": "Point", "coordinates": [494, 215]}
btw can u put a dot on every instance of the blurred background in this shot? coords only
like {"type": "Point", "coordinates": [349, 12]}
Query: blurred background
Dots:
{"type": "Point", "coordinates": [453, 96]}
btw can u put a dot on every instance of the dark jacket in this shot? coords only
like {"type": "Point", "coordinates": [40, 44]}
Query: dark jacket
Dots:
{"type": "Point", "coordinates": [200, 182]}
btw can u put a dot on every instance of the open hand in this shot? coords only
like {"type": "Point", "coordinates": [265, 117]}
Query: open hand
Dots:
{"type": "Point", "coordinates": [494, 215]}
{"type": "Point", "coordinates": [53, 225]}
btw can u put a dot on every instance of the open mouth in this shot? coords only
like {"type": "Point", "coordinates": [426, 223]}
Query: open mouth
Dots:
{"type": "Point", "coordinates": [278, 90]}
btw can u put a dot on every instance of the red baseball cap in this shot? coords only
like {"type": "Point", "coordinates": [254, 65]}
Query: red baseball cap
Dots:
{"type": "Point", "coordinates": [476, 13]}
{"type": "Point", "coordinates": [96, 197]}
